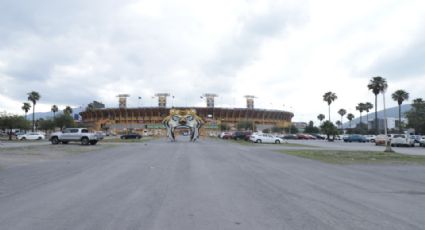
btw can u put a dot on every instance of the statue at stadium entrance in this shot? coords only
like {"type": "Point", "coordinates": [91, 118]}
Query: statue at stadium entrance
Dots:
{"type": "Point", "coordinates": [183, 118]}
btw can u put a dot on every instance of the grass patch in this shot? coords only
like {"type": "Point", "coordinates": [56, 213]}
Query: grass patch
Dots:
{"type": "Point", "coordinates": [356, 157]}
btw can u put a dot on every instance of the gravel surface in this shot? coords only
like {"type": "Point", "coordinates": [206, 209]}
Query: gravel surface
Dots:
{"type": "Point", "coordinates": [210, 184]}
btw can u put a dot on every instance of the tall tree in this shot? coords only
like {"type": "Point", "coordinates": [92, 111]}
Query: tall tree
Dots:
{"type": "Point", "coordinates": [360, 107]}
{"type": "Point", "coordinates": [321, 117]}
{"type": "Point", "coordinates": [342, 112]}
{"type": "Point", "coordinates": [54, 109]}
{"type": "Point", "coordinates": [416, 116]}
{"type": "Point", "coordinates": [350, 117]}
{"type": "Point", "coordinates": [399, 96]}
{"type": "Point", "coordinates": [33, 96]}
{"type": "Point", "coordinates": [67, 111]}
{"type": "Point", "coordinates": [329, 97]}
{"type": "Point", "coordinates": [377, 84]}
{"type": "Point", "coordinates": [367, 108]}
{"type": "Point", "coordinates": [26, 107]}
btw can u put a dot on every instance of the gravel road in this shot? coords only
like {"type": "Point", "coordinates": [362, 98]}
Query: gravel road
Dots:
{"type": "Point", "coordinates": [210, 184]}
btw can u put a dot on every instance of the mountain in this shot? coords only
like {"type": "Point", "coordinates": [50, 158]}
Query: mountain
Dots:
{"type": "Point", "coordinates": [46, 115]}
{"type": "Point", "coordinates": [391, 112]}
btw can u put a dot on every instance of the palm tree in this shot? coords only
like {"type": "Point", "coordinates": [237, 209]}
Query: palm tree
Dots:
{"type": "Point", "coordinates": [342, 112]}
{"type": "Point", "coordinates": [377, 84]}
{"type": "Point", "coordinates": [33, 97]}
{"type": "Point", "coordinates": [67, 110]}
{"type": "Point", "coordinates": [338, 123]}
{"type": "Point", "coordinates": [360, 107]}
{"type": "Point", "coordinates": [367, 108]}
{"type": "Point", "coordinates": [26, 107]}
{"type": "Point", "coordinates": [350, 117]}
{"type": "Point", "coordinates": [399, 96]}
{"type": "Point", "coordinates": [321, 117]}
{"type": "Point", "coordinates": [329, 97]}
{"type": "Point", "coordinates": [54, 109]}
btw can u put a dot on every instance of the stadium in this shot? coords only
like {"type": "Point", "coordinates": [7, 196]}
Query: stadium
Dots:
{"type": "Point", "coordinates": [149, 119]}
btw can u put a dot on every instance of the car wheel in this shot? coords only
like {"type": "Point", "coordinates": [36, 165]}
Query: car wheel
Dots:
{"type": "Point", "coordinates": [65, 142]}
{"type": "Point", "coordinates": [85, 141]}
{"type": "Point", "coordinates": [23, 139]}
{"type": "Point", "coordinates": [258, 141]}
{"type": "Point", "coordinates": [55, 140]}
{"type": "Point", "coordinates": [93, 142]}
{"type": "Point", "coordinates": [277, 142]}
{"type": "Point", "coordinates": [39, 138]}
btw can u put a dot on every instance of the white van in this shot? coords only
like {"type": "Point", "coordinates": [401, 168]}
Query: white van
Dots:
{"type": "Point", "coordinates": [402, 140]}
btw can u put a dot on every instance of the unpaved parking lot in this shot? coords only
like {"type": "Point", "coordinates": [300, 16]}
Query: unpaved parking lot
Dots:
{"type": "Point", "coordinates": [23, 153]}
{"type": "Point", "coordinates": [210, 184]}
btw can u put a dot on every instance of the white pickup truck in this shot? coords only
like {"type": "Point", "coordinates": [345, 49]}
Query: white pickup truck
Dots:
{"type": "Point", "coordinates": [75, 134]}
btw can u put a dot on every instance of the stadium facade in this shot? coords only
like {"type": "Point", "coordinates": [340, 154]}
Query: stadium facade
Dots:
{"type": "Point", "coordinates": [149, 119]}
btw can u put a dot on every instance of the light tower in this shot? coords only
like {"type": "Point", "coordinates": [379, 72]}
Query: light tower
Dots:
{"type": "Point", "coordinates": [209, 98]}
{"type": "Point", "coordinates": [122, 100]}
{"type": "Point", "coordinates": [162, 99]}
{"type": "Point", "coordinates": [250, 101]}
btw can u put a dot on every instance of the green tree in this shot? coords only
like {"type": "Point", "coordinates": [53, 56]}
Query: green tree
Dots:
{"type": "Point", "coordinates": [399, 96]}
{"type": "Point", "coordinates": [350, 117]}
{"type": "Point", "coordinates": [68, 110]}
{"type": "Point", "coordinates": [33, 96]}
{"type": "Point", "coordinates": [321, 117]}
{"type": "Point", "coordinates": [291, 129]}
{"type": "Point", "coordinates": [8, 122]}
{"type": "Point", "coordinates": [416, 116]}
{"type": "Point", "coordinates": [329, 97]}
{"type": "Point", "coordinates": [311, 128]}
{"type": "Point", "coordinates": [329, 129]}
{"type": "Point", "coordinates": [64, 121]}
{"type": "Point", "coordinates": [224, 127]}
{"type": "Point", "coordinates": [54, 109]}
{"type": "Point", "coordinates": [276, 129]}
{"type": "Point", "coordinates": [46, 125]}
{"type": "Point", "coordinates": [377, 84]}
{"type": "Point", "coordinates": [338, 123]}
{"type": "Point", "coordinates": [245, 125]}
{"type": "Point", "coordinates": [26, 107]}
{"type": "Point", "coordinates": [360, 107]}
{"type": "Point", "coordinates": [368, 107]}
{"type": "Point", "coordinates": [342, 112]}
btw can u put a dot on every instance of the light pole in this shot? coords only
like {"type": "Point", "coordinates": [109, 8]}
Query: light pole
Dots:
{"type": "Point", "coordinates": [387, 144]}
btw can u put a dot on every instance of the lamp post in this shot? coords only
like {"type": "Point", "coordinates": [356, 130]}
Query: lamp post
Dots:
{"type": "Point", "coordinates": [387, 144]}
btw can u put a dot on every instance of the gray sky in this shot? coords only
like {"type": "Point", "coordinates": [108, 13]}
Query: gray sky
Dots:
{"type": "Point", "coordinates": [287, 53]}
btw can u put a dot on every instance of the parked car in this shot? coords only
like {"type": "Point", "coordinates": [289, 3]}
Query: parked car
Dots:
{"type": "Point", "coordinates": [402, 140]}
{"type": "Point", "coordinates": [356, 138]}
{"type": "Point", "coordinates": [30, 136]}
{"type": "Point", "coordinates": [265, 138]}
{"type": "Point", "coordinates": [225, 135]}
{"type": "Point", "coordinates": [290, 137]}
{"type": "Point", "coordinates": [318, 136]}
{"type": "Point", "coordinates": [74, 134]}
{"type": "Point", "coordinates": [131, 136]}
{"type": "Point", "coordinates": [380, 139]}
{"type": "Point", "coordinates": [416, 138]}
{"type": "Point", "coordinates": [422, 141]}
{"type": "Point", "coordinates": [241, 135]}
{"type": "Point", "coordinates": [370, 138]}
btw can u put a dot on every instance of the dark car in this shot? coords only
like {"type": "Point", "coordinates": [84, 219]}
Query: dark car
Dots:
{"type": "Point", "coordinates": [290, 137]}
{"type": "Point", "coordinates": [318, 136]}
{"type": "Point", "coordinates": [355, 138]}
{"type": "Point", "coordinates": [131, 136]}
{"type": "Point", "coordinates": [241, 135]}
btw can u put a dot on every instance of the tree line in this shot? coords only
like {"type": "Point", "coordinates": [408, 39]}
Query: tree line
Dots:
{"type": "Point", "coordinates": [378, 85]}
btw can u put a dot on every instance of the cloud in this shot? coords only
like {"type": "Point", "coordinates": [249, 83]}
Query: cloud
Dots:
{"type": "Point", "coordinates": [284, 52]}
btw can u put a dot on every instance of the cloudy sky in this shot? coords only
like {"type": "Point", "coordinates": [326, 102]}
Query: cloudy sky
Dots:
{"type": "Point", "coordinates": [286, 53]}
